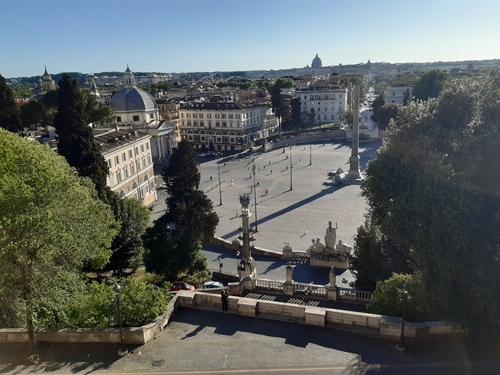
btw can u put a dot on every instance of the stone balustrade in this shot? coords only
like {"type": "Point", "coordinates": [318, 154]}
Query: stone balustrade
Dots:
{"type": "Point", "coordinates": [348, 294]}
{"type": "Point", "coordinates": [313, 289]}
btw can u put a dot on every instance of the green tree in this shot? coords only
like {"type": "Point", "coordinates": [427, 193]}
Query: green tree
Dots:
{"type": "Point", "coordinates": [169, 252]}
{"type": "Point", "coordinates": [430, 84]}
{"type": "Point", "coordinates": [9, 113]}
{"type": "Point", "coordinates": [375, 258]}
{"type": "Point", "coordinates": [385, 114]}
{"type": "Point", "coordinates": [296, 111]}
{"type": "Point", "coordinates": [51, 224]}
{"type": "Point", "coordinates": [127, 245]}
{"type": "Point", "coordinates": [21, 91]}
{"type": "Point", "coordinates": [419, 306]}
{"type": "Point", "coordinates": [76, 141]}
{"type": "Point", "coordinates": [434, 189]}
{"type": "Point", "coordinates": [348, 116]}
{"type": "Point", "coordinates": [406, 97]}
{"type": "Point", "coordinates": [380, 88]}
{"type": "Point", "coordinates": [311, 116]}
{"type": "Point", "coordinates": [188, 207]}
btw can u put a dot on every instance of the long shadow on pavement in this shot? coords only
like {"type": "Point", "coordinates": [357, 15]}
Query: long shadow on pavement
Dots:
{"type": "Point", "coordinates": [322, 193]}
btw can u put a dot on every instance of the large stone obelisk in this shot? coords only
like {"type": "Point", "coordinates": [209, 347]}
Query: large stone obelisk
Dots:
{"type": "Point", "coordinates": [247, 266]}
{"type": "Point", "coordinates": [354, 159]}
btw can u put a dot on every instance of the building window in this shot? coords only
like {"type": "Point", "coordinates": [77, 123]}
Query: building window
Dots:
{"type": "Point", "coordinates": [109, 163]}
{"type": "Point", "coordinates": [393, 93]}
{"type": "Point", "coordinates": [237, 124]}
{"type": "Point", "coordinates": [119, 176]}
{"type": "Point", "coordinates": [217, 115]}
{"type": "Point", "coordinates": [136, 118]}
{"type": "Point", "coordinates": [136, 151]}
{"type": "Point", "coordinates": [142, 148]}
{"type": "Point", "coordinates": [118, 118]}
{"type": "Point", "coordinates": [143, 163]}
{"type": "Point", "coordinates": [195, 115]}
{"type": "Point", "coordinates": [340, 96]}
{"type": "Point", "coordinates": [209, 115]}
{"type": "Point", "coordinates": [124, 157]}
{"type": "Point", "coordinates": [147, 146]}
{"type": "Point", "coordinates": [189, 123]}
{"type": "Point", "coordinates": [230, 116]}
{"type": "Point", "coordinates": [230, 124]}
{"type": "Point", "coordinates": [151, 115]}
{"type": "Point", "coordinates": [149, 159]}
{"type": "Point", "coordinates": [182, 115]}
{"type": "Point", "coordinates": [182, 122]}
{"type": "Point", "coordinates": [202, 124]}
{"type": "Point", "coordinates": [195, 123]}
{"type": "Point", "coordinates": [217, 124]}
{"type": "Point", "coordinates": [130, 154]}
{"type": "Point", "coordinates": [333, 117]}
{"type": "Point", "coordinates": [138, 165]}
{"type": "Point", "coordinates": [210, 124]}
{"type": "Point", "coordinates": [188, 115]}
{"type": "Point", "coordinates": [125, 172]}
{"type": "Point", "coordinates": [224, 125]}
{"type": "Point", "coordinates": [238, 115]}
{"type": "Point", "coordinates": [201, 115]}
{"type": "Point", "coordinates": [117, 160]}
{"type": "Point", "coordinates": [223, 115]}
{"type": "Point", "coordinates": [132, 169]}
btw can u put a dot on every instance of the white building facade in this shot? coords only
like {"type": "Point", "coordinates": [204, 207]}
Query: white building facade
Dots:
{"type": "Point", "coordinates": [226, 126]}
{"type": "Point", "coordinates": [396, 95]}
{"type": "Point", "coordinates": [329, 103]}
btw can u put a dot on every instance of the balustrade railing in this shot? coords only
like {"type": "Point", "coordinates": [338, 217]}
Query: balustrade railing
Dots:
{"type": "Point", "coordinates": [269, 284]}
{"type": "Point", "coordinates": [354, 295]}
{"type": "Point", "coordinates": [313, 289]}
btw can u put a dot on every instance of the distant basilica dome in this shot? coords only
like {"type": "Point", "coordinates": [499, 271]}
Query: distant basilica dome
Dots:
{"type": "Point", "coordinates": [316, 63]}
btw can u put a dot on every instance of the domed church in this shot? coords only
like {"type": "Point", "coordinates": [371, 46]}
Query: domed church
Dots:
{"type": "Point", "coordinates": [136, 109]}
{"type": "Point", "coordinates": [316, 63]}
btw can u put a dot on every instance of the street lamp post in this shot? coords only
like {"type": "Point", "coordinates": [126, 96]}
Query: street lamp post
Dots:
{"type": "Point", "coordinates": [220, 188]}
{"type": "Point", "coordinates": [254, 193]}
{"type": "Point", "coordinates": [403, 298]}
{"type": "Point", "coordinates": [220, 268]}
{"type": "Point", "coordinates": [119, 301]}
{"type": "Point", "coordinates": [291, 166]}
{"type": "Point", "coordinates": [310, 149]}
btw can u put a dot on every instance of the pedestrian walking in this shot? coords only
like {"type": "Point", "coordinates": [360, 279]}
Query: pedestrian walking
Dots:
{"type": "Point", "coordinates": [306, 297]}
{"type": "Point", "coordinates": [210, 178]}
{"type": "Point", "coordinates": [224, 298]}
{"type": "Point", "coordinates": [287, 167]}
{"type": "Point", "coordinates": [267, 192]}
{"type": "Point", "coordinates": [305, 232]}
{"type": "Point", "coordinates": [258, 183]}
{"type": "Point", "coordinates": [269, 162]}
{"type": "Point", "coordinates": [271, 171]}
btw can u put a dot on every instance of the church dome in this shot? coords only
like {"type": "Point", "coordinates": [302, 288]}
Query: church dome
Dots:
{"type": "Point", "coordinates": [316, 63]}
{"type": "Point", "coordinates": [132, 99]}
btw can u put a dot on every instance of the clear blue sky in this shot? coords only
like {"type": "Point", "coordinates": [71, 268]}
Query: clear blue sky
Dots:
{"type": "Point", "coordinates": [221, 35]}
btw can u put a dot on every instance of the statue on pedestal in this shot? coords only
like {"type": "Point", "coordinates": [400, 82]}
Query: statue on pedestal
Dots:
{"type": "Point", "coordinates": [331, 235]}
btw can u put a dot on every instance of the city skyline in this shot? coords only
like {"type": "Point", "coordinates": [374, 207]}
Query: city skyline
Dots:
{"type": "Point", "coordinates": [223, 35]}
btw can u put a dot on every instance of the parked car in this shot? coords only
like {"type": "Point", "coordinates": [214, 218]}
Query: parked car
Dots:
{"type": "Point", "coordinates": [213, 284]}
{"type": "Point", "coordinates": [181, 285]}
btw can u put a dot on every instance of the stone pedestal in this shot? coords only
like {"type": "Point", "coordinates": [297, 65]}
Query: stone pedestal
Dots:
{"type": "Point", "coordinates": [288, 286]}
{"type": "Point", "coordinates": [331, 291]}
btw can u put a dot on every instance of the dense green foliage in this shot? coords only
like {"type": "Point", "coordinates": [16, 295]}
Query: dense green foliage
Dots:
{"type": "Point", "coordinates": [127, 245]}
{"type": "Point", "coordinates": [384, 114]}
{"type": "Point", "coordinates": [51, 225]}
{"type": "Point", "coordinates": [375, 258]}
{"type": "Point", "coordinates": [188, 206]}
{"type": "Point", "coordinates": [21, 91]}
{"type": "Point", "coordinates": [173, 243]}
{"type": "Point", "coordinates": [388, 299]}
{"type": "Point", "coordinates": [9, 113]}
{"type": "Point", "coordinates": [430, 84]}
{"type": "Point", "coordinates": [76, 141]}
{"type": "Point", "coordinates": [93, 307]}
{"type": "Point", "coordinates": [296, 111]}
{"type": "Point", "coordinates": [434, 189]}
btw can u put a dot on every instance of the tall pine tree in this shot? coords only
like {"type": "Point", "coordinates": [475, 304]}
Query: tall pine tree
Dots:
{"type": "Point", "coordinates": [9, 113]}
{"type": "Point", "coordinates": [76, 141]}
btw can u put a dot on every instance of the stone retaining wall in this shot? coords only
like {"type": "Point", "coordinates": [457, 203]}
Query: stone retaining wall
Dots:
{"type": "Point", "coordinates": [385, 326]}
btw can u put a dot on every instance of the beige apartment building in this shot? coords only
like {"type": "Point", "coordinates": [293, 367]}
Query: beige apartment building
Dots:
{"type": "Point", "coordinates": [129, 158]}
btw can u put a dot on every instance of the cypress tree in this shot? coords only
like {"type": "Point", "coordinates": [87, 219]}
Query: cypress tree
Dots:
{"type": "Point", "coordinates": [76, 141]}
{"type": "Point", "coordinates": [9, 113]}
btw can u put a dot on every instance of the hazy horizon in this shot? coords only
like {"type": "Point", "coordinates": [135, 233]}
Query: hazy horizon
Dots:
{"type": "Point", "coordinates": [224, 35]}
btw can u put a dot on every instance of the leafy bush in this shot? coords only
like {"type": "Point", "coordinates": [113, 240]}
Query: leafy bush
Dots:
{"type": "Point", "coordinates": [419, 307]}
{"type": "Point", "coordinates": [96, 307]}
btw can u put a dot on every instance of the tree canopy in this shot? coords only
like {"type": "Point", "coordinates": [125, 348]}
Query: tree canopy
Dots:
{"type": "Point", "coordinates": [434, 189]}
{"type": "Point", "coordinates": [9, 113]}
{"type": "Point", "coordinates": [430, 84]}
{"type": "Point", "coordinates": [188, 207]}
{"type": "Point", "coordinates": [52, 223]}
{"type": "Point", "coordinates": [76, 141]}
